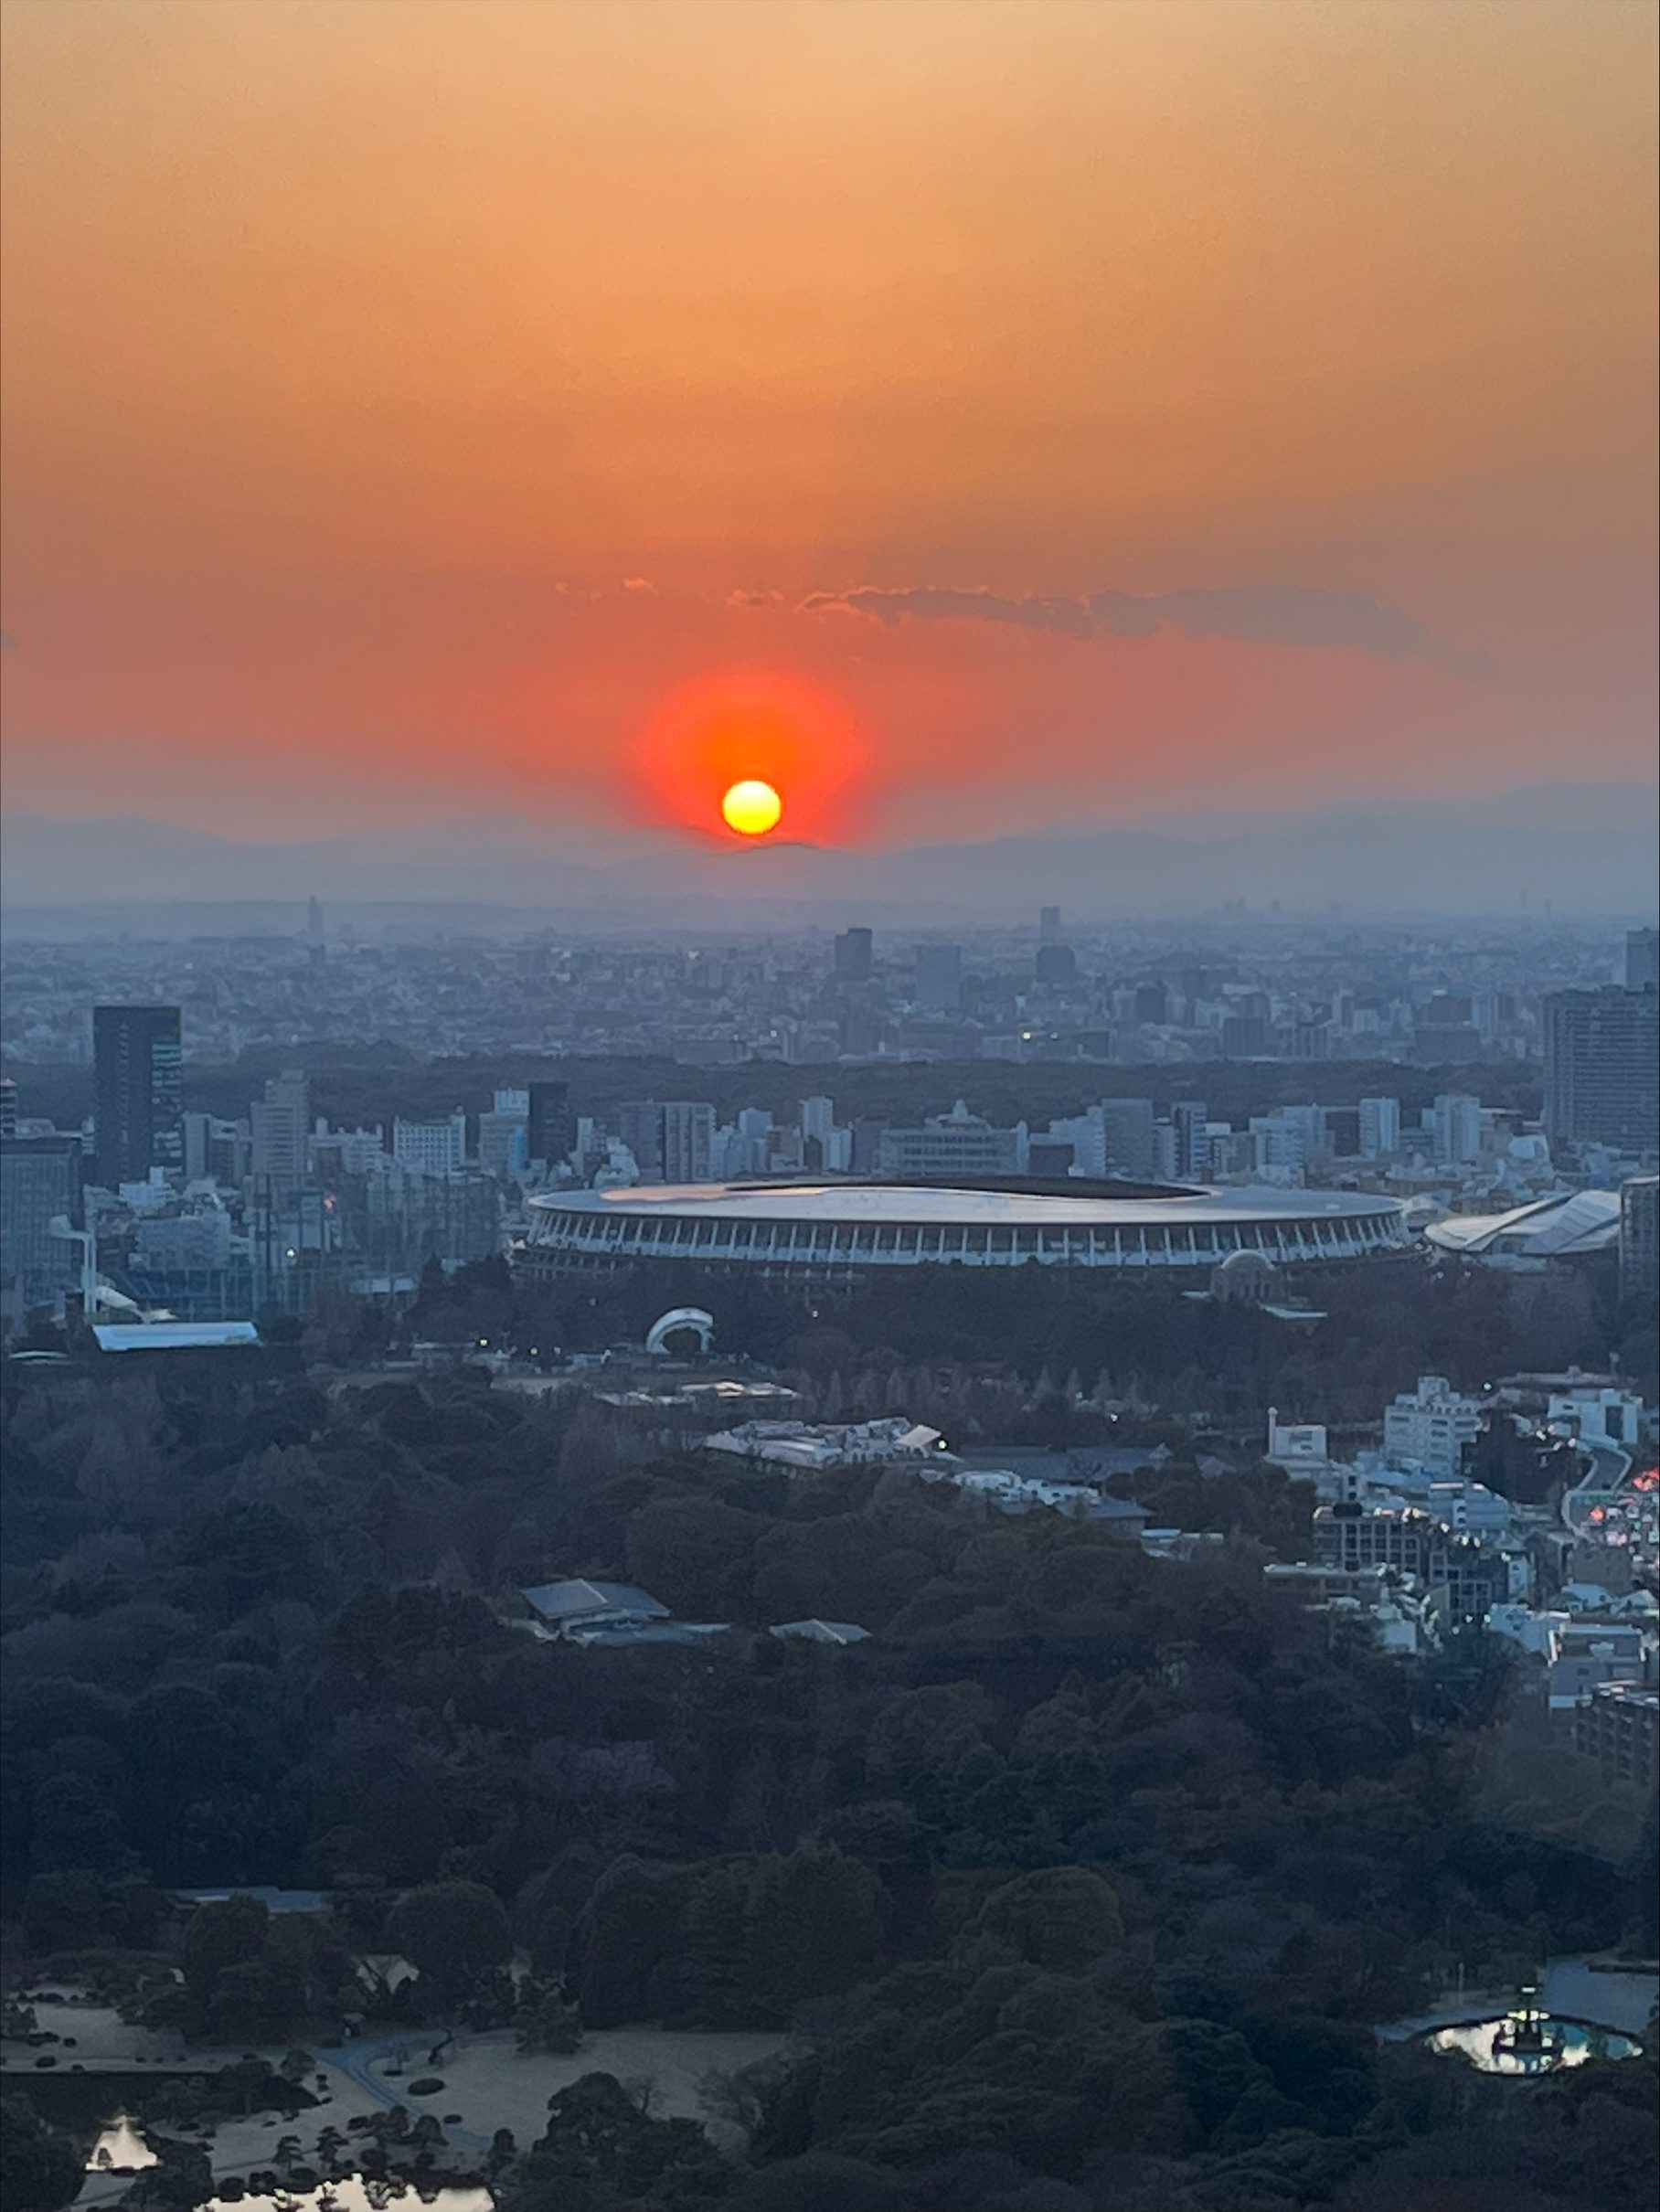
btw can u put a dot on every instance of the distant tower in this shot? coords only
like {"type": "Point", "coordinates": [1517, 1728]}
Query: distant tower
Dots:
{"type": "Point", "coordinates": [852, 957]}
{"type": "Point", "coordinates": [135, 1093]}
{"type": "Point", "coordinates": [313, 920]}
{"type": "Point", "coordinates": [1049, 925]}
{"type": "Point", "coordinates": [8, 1107]}
{"type": "Point", "coordinates": [1642, 960]}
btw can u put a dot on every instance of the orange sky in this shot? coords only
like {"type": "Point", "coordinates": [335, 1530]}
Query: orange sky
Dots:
{"type": "Point", "coordinates": [407, 402]}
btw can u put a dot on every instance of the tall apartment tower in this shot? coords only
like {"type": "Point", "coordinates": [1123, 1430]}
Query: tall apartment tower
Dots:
{"type": "Point", "coordinates": [1642, 960]}
{"type": "Point", "coordinates": [1127, 1134]}
{"type": "Point", "coordinates": [1379, 1128]}
{"type": "Point", "coordinates": [852, 956]}
{"type": "Point", "coordinates": [136, 1056]}
{"type": "Point", "coordinates": [1049, 925]}
{"type": "Point", "coordinates": [281, 1124]}
{"type": "Point", "coordinates": [689, 1141]}
{"type": "Point", "coordinates": [1602, 1068]}
{"type": "Point", "coordinates": [940, 977]}
{"type": "Point", "coordinates": [40, 1181]}
{"type": "Point", "coordinates": [1190, 1118]}
{"type": "Point", "coordinates": [551, 1130]}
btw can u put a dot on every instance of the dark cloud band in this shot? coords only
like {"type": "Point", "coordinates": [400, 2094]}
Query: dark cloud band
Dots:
{"type": "Point", "coordinates": [1260, 614]}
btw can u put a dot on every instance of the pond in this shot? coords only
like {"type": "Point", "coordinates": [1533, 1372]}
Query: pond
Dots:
{"type": "Point", "coordinates": [1526, 2043]}
{"type": "Point", "coordinates": [353, 2194]}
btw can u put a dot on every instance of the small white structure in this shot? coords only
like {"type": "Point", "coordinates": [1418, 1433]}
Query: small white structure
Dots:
{"type": "Point", "coordinates": [682, 1318]}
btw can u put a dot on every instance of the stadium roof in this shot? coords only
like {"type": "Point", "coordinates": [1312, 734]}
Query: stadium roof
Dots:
{"type": "Point", "coordinates": [929, 1203]}
{"type": "Point", "coordinates": [1567, 1227]}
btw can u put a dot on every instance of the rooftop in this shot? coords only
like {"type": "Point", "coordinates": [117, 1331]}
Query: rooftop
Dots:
{"type": "Point", "coordinates": [927, 1204]}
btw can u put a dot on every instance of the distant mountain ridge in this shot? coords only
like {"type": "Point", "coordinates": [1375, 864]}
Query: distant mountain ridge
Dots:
{"type": "Point", "coordinates": [1587, 849]}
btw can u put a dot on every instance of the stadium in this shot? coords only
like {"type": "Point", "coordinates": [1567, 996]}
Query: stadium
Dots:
{"type": "Point", "coordinates": [837, 1232]}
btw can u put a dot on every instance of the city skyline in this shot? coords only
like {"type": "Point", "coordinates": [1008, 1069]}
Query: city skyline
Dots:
{"type": "Point", "coordinates": [1062, 420]}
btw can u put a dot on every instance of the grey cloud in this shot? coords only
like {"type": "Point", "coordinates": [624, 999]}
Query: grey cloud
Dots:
{"type": "Point", "coordinates": [1260, 614]}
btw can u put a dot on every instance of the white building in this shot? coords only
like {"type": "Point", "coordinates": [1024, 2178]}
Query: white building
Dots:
{"type": "Point", "coordinates": [1430, 1427]}
{"type": "Point", "coordinates": [1379, 1128]}
{"type": "Point", "coordinates": [1596, 1416]}
{"type": "Point", "coordinates": [431, 1148]}
{"type": "Point", "coordinates": [1456, 1121]}
{"type": "Point", "coordinates": [280, 1125]}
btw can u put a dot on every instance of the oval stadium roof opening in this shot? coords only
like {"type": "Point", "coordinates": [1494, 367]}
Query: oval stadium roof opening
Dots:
{"type": "Point", "coordinates": [839, 1231]}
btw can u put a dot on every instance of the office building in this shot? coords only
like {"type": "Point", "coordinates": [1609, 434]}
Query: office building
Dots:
{"type": "Point", "coordinates": [8, 1107]}
{"type": "Point", "coordinates": [938, 978]}
{"type": "Point", "coordinates": [1464, 1574]}
{"type": "Point", "coordinates": [1049, 925]}
{"type": "Point", "coordinates": [39, 1184]}
{"type": "Point", "coordinates": [1602, 1068]}
{"type": "Point", "coordinates": [431, 1148]}
{"type": "Point", "coordinates": [1379, 1128]}
{"type": "Point", "coordinates": [136, 1055]}
{"type": "Point", "coordinates": [852, 957]}
{"type": "Point", "coordinates": [550, 1129]}
{"type": "Point", "coordinates": [689, 1141]}
{"type": "Point", "coordinates": [1190, 1119]}
{"type": "Point", "coordinates": [957, 1143]}
{"type": "Point", "coordinates": [1247, 1037]}
{"type": "Point", "coordinates": [640, 1127]}
{"type": "Point", "coordinates": [1640, 1237]}
{"type": "Point", "coordinates": [503, 1146]}
{"type": "Point", "coordinates": [1456, 1120]}
{"type": "Point", "coordinates": [1129, 1138]}
{"type": "Point", "coordinates": [280, 1125]}
{"type": "Point", "coordinates": [1642, 960]}
{"type": "Point", "coordinates": [1056, 966]}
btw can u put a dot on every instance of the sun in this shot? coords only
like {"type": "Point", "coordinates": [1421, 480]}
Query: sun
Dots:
{"type": "Point", "coordinates": [751, 807]}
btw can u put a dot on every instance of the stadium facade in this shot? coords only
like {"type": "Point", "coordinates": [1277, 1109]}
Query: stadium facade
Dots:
{"type": "Point", "coordinates": [831, 1232]}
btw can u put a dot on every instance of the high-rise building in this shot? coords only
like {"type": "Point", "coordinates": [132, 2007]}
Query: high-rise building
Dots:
{"type": "Point", "coordinates": [8, 1107]}
{"type": "Point", "coordinates": [1640, 1237]}
{"type": "Point", "coordinates": [280, 1125]}
{"type": "Point", "coordinates": [1190, 1119]}
{"type": "Point", "coordinates": [1456, 1120]}
{"type": "Point", "coordinates": [689, 1141]}
{"type": "Point", "coordinates": [1049, 925]}
{"type": "Point", "coordinates": [1056, 964]}
{"type": "Point", "coordinates": [136, 1055]}
{"type": "Point", "coordinates": [39, 1183]}
{"type": "Point", "coordinates": [1602, 1068]}
{"type": "Point", "coordinates": [1127, 1133]}
{"type": "Point", "coordinates": [640, 1127]}
{"type": "Point", "coordinates": [552, 1131]}
{"type": "Point", "coordinates": [1642, 960]}
{"type": "Point", "coordinates": [1379, 1128]}
{"type": "Point", "coordinates": [852, 957]}
{"type": "Point", "coordinates": [503, 1146]}
{"type": "Point", "coordinates": [939, 977]}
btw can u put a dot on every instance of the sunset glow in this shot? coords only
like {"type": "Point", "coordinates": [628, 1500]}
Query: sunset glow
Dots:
{"type": "Point", "coordinates": [1078, 410]}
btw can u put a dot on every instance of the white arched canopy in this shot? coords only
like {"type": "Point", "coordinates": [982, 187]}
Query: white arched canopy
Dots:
{"type": "Point", "coordinates": [692, 1317]}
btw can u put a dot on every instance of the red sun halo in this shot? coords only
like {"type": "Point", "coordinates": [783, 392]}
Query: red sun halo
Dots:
{"type": "Point", "coordinates": [734, 725]}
